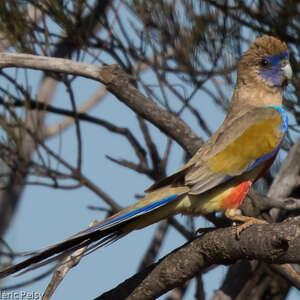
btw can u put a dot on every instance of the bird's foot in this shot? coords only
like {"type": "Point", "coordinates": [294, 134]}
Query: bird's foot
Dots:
{"type": "Point", "coordinates": [233, 215]}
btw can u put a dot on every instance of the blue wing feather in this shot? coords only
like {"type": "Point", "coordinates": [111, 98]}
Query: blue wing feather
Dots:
{"type": "Point", "coordinates": [133, 214]}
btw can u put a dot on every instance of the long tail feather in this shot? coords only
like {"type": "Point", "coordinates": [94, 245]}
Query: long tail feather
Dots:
{"type": "Point", "coordinates": [94, 237]}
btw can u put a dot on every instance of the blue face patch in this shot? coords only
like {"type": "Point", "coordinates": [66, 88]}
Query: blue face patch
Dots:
{"type": "Point", "coordinates": [275, 60]}
{"type": "Point", "coordinates": [272, 74]}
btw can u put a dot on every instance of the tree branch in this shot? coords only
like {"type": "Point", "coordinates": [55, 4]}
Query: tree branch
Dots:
{"type": "Point", "coordinates": [272, 243]}
{"type": "Point", "coordinates": [119, 84]}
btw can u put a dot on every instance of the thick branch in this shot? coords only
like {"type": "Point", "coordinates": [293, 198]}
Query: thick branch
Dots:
{"type": "Point", "coordinates": [272, 243]}
{"type": "Point", "coordinates": [287, 178]}
{"type": "Point", "coordinates": [118, 83]}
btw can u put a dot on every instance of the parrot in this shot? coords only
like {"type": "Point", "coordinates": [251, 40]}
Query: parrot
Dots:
{"type": "Point", "coordinates": [218, 177]}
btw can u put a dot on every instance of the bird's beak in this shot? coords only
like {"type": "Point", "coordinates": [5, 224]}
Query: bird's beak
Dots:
{"type": "Point", "coordinates": [287, 73]}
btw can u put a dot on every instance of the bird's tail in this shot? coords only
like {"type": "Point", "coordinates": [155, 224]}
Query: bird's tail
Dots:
{"type": "Point", "coordinates": [134, 217]}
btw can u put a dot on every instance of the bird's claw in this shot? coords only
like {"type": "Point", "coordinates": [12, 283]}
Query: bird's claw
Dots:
{"type": "Point", "coordinates": [245, 220]}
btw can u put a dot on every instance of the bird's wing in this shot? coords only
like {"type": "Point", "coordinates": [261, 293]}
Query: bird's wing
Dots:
{"type": "Point", "coordinates": [239, 146]}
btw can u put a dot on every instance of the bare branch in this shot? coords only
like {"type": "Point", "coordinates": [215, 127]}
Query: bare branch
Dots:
{"type": "Point", "coordinates": [118, 83]}
{"type": "Point", "coordinates": [64, 267]}
{"type": "Point", "coordinates": [271, 243]}
{"type": "Point", "coordinates": [68, 121]}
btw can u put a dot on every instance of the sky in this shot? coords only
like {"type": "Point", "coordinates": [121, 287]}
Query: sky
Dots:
{"type": "Point", "coordinates": [46, 216]}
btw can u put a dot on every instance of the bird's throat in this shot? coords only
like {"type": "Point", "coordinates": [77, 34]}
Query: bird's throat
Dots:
{"type": "Point", "coordinates": [247, 98]}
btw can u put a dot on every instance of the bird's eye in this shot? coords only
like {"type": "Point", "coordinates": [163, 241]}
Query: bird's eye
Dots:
{"type": "Point", "coordinates": [264, 62]}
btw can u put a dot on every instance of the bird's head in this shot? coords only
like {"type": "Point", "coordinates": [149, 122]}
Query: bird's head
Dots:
{"type": "Point", "coordinates": [262, 73]}
{"type": "Point", "coordinates": [266, 62]}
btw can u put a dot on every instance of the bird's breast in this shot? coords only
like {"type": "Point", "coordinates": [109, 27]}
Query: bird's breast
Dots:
{"type": "Point", "coordinates": [257, 141]}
